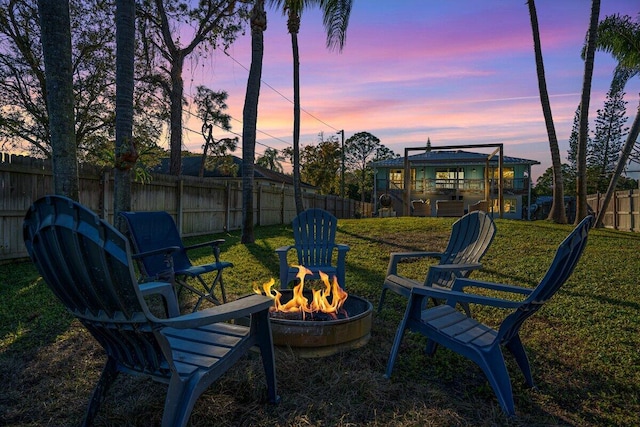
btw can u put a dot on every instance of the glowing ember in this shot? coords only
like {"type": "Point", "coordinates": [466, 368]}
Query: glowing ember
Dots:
{"type": "Point", "coordinates": [328, 300]}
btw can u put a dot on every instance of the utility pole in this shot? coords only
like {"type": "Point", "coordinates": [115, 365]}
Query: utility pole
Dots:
{"type": "Point", "coordinates": [342, 166]}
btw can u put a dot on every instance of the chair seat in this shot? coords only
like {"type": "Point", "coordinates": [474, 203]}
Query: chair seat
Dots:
{"type": "Point", "coordinates": [201, 348]}
{"type": "Point", "coordinates": [456, 326]}
{"type": "Point", "coordinates": [197, 270]}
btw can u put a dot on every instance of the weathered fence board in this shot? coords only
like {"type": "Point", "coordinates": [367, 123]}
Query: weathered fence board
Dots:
{"type": "Point", "coordinates": [623, 211]}
{"type": "Point", "coordinates": [199, 205]}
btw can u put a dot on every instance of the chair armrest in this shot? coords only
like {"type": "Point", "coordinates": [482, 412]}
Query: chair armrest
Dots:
{"type": "Point", "coordinates": [457, 267]}
{"type": "Point", "coordinates": [342, 247]}
{"type": "Point", "coordinates": [212, 243]}
{"type": "Point", "coordinates": [232, 310]}
{"type": "Point", "coordinates": [284, 249]}
{"type": "Point", "coordinates": [454, 297]}
{"type": "Point", "coordinates": [461, 283]}
{"type": "Point", "coordinates": [164, 289]}
{"type": "Point", "coordinates": [162, 251]}
{"type": "Point", "coordinates": [439, 272]}
{"type": "Point", "coordinates": [395, 257]}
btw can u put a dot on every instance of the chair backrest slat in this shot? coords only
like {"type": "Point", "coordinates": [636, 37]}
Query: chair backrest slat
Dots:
{"type": "Point", "coordinates": [314, 232]}
{"type": "Point", "coordinates": [470, 238]}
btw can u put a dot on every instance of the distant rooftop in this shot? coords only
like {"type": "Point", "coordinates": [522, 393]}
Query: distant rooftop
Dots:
{"type": "Point", "coordinates": [442, 157]}
{"type": "Point", "coordinates": [191, 167]}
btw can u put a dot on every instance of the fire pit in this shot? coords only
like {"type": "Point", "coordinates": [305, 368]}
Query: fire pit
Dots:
{"type": "Point", "coordinates": [318, 323]}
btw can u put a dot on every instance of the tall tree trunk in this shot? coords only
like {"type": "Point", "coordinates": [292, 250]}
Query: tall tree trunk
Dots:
{"type": "Point", "coordinates": [176, 96]}
{"type": "Point", "coordinates": [55, 26]}
{"type": "Point", "coordinates": [622, 161]}
{"type": "Point", "coordinates": [250, 117]}
{"type": "Point", "coordinates": [557, 213]}
{"type": "Point", "coordinates": [126, 153]}
{"type": "Point", "coordinates": [581, 176]}
{"type": "Point", "coordinates": [297, 186]}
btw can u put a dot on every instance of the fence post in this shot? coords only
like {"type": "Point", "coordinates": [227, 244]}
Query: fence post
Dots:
{"type": "Point", "coordinates": [614, 201]}
{"type": "Point", "coordinates": [179, 213]}
{"type": "Point", "coordinates": [105, 197]}
{"type": "Point", "coordinates": [259, 204]}
{"type": "Point", "coordinates": [227, 204]}
{"type": "Point", "coordinates": [282, 205]}
{"type": "Point", "coordinates": [632, 210]}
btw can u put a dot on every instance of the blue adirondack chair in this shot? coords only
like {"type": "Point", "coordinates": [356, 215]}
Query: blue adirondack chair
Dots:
{"type": "Point", "coordinates": [314, 233]}
{"type": "Point", "coordinates": [152, 231]}
{"type": "Point", "coordinates": [470, 238]}
{"type": "Point", "coordinates": [88, 265]}
{"type": "Point", "coordinates": [449, 327]}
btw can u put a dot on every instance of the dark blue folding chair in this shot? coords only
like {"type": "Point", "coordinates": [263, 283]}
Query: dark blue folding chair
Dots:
{"type": "Point", "coordinates": [152, 231]}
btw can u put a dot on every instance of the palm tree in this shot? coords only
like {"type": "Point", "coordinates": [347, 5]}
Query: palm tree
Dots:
{"type": "Point", "coordinates": [126, 153]}
{"type": "Point", "coordinates": [620, 36]}
{"type": "Point", "coordinates": [557, 213]}
{"type": "Point", "coordinates": [270, 159]}
{"type": "Point", "coordinates": [335, 15]}
{"type": "Point", "coordinates": [250, 117]}
{"type": "Point", "coordinates": [581, 175]}
{"type": "Point", "coordinates": [55, 25]}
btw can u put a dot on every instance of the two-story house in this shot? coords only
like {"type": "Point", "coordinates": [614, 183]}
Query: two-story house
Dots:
{"type": "Point", "coordinates": [451, 182]}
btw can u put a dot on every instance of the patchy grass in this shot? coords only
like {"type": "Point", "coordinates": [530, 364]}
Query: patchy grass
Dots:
{"type": "Point", "coordinates": [583, 345]}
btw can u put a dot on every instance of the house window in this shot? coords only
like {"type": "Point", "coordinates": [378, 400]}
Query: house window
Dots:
{"type": "Point", "coordinates": [396, 179]}
{"type": "Point", "coordinates": [508, 175]}
{"type": "Point", "coordinates": [449, 178]}
{"type": "Point", "coordinates": [510, 205]}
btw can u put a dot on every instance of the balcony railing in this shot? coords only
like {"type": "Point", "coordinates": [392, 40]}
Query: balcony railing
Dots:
{"type": "Point", "coordinates": [438, 185]}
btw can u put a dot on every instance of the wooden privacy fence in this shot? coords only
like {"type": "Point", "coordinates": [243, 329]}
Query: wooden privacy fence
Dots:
{"type": "Point", "coordinates": [199, 205]}
{"type": "Point", "coordinates": [623, 211]}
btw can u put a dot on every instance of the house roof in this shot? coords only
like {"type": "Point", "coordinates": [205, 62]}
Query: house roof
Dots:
{"type": "Point", "coordinates": [191, 167]}
{"type": "Point", "coordinates": [442, 157]}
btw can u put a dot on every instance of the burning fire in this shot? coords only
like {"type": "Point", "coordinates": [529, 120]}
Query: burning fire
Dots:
{"type": "Point", "coordinates": [328, 300]}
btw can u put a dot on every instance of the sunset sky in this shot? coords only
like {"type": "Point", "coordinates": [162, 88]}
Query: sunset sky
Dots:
{"type": "Point", "coordinates": [456, 72]}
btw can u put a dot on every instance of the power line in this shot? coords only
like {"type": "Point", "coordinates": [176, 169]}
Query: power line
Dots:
{"type": "Point", "coordinates": [238, 135]}
{"type": "Point", "coordinates": [258, 130]}
{"type": "Point", "coordinates": [282, 95]}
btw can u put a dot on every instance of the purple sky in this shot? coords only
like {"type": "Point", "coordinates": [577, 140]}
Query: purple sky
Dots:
{"type": "Point", "coordinates": [457, 72]}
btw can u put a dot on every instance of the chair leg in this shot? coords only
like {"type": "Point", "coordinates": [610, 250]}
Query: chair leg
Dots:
{"type": "Point", "coordinates": [265, 342]}
{"type": "Point", "coordinates": [397, 340]}
{"type": "Point", "coordinates": [207, 294]}
{"type": "Point", "coordinates": [382, 297]}
{"type": "Point", "coordinates": [109, 374]}
{"type": "Point", "coordinates": [180, 400]}
{"type": "Point", "coordinates": [431, 347]}
{"type": "Point", "coordinates": [494, 367]}
{"type": "Point", "coordinates": [517, 349]}
{"type": "Point", "coordinates": [222, 290]}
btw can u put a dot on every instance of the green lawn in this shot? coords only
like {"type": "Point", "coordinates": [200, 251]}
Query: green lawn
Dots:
{"type": "Point", "coordinates": [584, 345]}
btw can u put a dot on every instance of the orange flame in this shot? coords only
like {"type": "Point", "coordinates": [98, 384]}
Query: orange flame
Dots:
{"type": "Point", "coordinates": [328, 300]}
